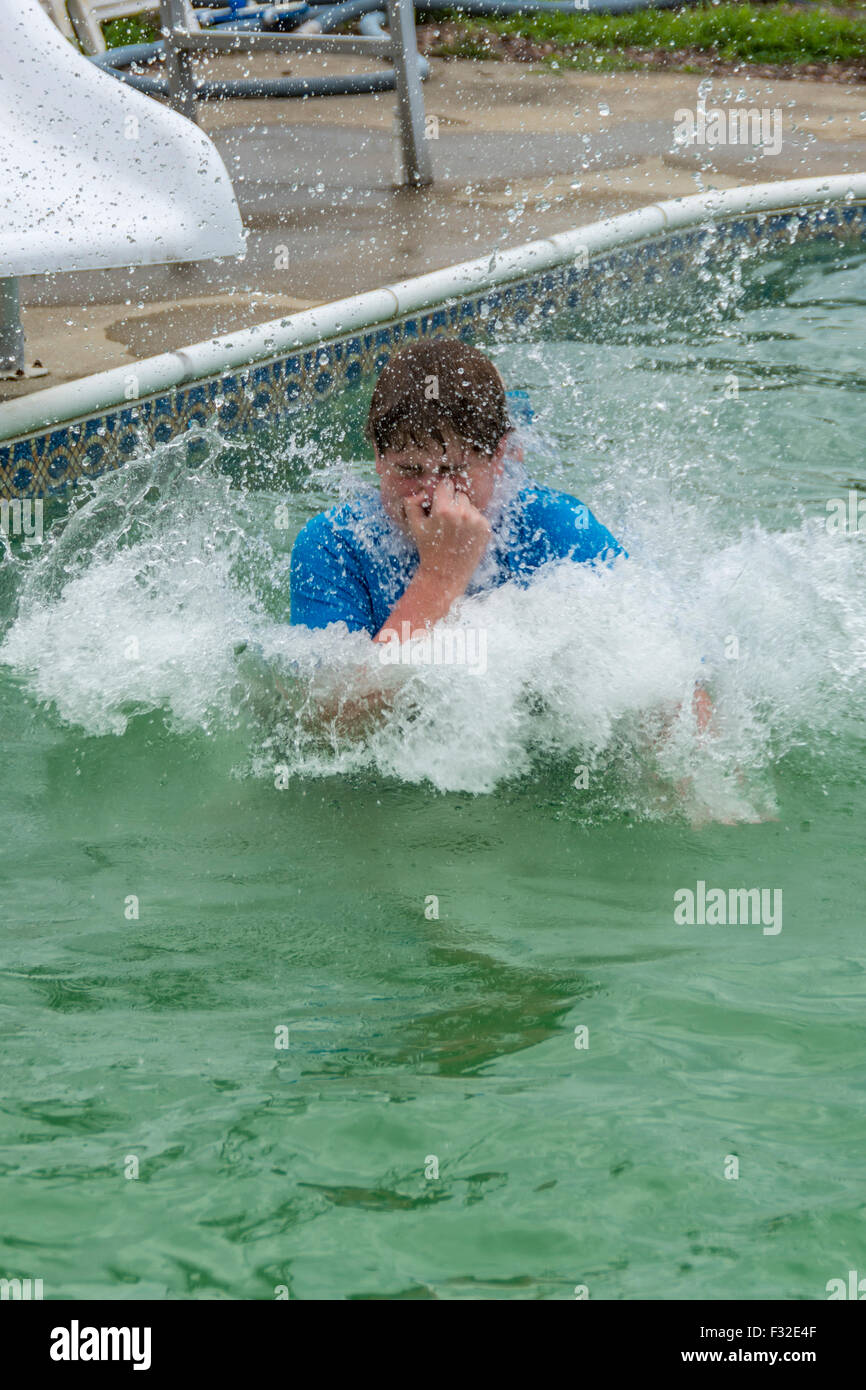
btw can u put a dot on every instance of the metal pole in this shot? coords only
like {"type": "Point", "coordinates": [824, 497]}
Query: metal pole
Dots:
{"type": "Point", "coordinates": [11, 332]}
{"type": "Point", "coordinates": [177, 14]}
{"type": "Point", "coordinates": [88, 30]}
{"type": "Point", "coordinates": [417, 163]}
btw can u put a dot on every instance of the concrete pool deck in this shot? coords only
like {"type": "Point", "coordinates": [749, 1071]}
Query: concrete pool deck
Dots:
{"type": "Point", "coordinates": [520, 152]}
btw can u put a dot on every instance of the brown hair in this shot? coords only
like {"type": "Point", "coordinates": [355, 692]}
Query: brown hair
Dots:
{"type": "Point", "coordinates": [428, 385]}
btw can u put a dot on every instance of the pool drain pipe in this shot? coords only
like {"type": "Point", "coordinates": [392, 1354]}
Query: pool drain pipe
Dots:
{"type": "Point", "coordinates": [328, 16]}
{"type": "Point", "coordinates": [214, 89]}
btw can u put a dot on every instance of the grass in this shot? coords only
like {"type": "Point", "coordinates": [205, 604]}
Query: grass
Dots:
{"type": "Point", "coordinates": [732, 33]}
{"type": "Point", "coordinates": [138, 28]}
{"type": "Point", "coordinates": [774, 34]}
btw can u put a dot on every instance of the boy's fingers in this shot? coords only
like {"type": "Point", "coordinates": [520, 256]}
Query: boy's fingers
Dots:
{"type": "Point", "coordinates": [443, 495]}
{"type": "Point", "coordinates": [465, 506]}
{"type": "Point", "coordinates": [413, 508]}
{"type": "Point", "coordinates": [462, 503]}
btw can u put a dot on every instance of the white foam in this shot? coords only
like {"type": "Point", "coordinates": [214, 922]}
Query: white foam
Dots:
{"type": "Point", "coordinates": [139, 606]}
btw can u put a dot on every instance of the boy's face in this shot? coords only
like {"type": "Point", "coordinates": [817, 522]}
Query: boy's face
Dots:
{"type": "Point", "coordinates": [418, 471]}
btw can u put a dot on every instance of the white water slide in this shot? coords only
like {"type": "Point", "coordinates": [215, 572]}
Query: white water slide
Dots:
{"type": "Point", "coordinates": [92, 173]}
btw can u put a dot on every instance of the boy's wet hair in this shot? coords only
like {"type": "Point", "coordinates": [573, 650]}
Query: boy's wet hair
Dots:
{"type": "Point", "coordinates": [426, 386]}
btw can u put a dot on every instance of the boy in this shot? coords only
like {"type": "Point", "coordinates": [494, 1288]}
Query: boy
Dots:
{"type": "Point", "coordinates": [455, 514]}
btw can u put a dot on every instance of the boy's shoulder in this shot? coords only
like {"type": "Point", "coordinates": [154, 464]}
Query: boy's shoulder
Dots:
{"type": "Point", "coordinates": [550, 523]}
{"type": "Point", "coordinates": [539, 494]}
{"type": "Point", "coordinates": [541, 504]}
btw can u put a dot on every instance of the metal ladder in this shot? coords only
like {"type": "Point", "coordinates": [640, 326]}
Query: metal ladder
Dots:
{"type": "Point", "coordinates": [184, 37]}
{"type": "Point", "coordinates": [82, 19]}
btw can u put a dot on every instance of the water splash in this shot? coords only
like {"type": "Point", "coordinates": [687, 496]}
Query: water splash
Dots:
{"type": "Point", "coordinates": [141, 601]}
{"type": "Point", "coordinates": [167, 587]}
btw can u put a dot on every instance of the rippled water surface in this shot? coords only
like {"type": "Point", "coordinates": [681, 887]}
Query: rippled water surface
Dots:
{"type": "Point", "coordinates": [140, 763]}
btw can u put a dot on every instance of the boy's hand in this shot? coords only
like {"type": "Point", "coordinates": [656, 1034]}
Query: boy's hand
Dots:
{"type": "Point", "coordinates": [451, 536]}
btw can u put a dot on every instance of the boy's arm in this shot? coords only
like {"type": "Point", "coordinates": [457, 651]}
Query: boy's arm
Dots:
{"type": "Point", "coordinates": [451, 541]}
{"type": "Point", "coordinates": [702, 707]}
{"type": "Point", "coordinates": [574, 532]}
{"type": "Point", "coordinates": [326, 586]}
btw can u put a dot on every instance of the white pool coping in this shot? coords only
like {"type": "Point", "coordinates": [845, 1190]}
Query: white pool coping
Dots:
{"type": "Point", "coordinates": [88, 395]}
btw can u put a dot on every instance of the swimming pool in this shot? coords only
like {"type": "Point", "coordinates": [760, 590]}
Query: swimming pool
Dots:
{"type": "Point", "coordinates": [330, 994]}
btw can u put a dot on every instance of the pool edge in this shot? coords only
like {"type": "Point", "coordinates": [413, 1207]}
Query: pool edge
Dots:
{"type": "Point", "coordinates": [55, 436]}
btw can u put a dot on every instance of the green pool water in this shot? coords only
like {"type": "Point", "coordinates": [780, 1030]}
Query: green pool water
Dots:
{"type": "Point", "coordinates": [435, 913]}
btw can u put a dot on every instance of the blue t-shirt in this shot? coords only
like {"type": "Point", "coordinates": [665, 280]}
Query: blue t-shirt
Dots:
{"type": "Point", "coordinates": [352, 564]}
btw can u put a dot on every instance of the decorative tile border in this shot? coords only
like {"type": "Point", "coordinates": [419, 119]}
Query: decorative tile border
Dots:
{"type": "Point", "coordinates": [260, 395]}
